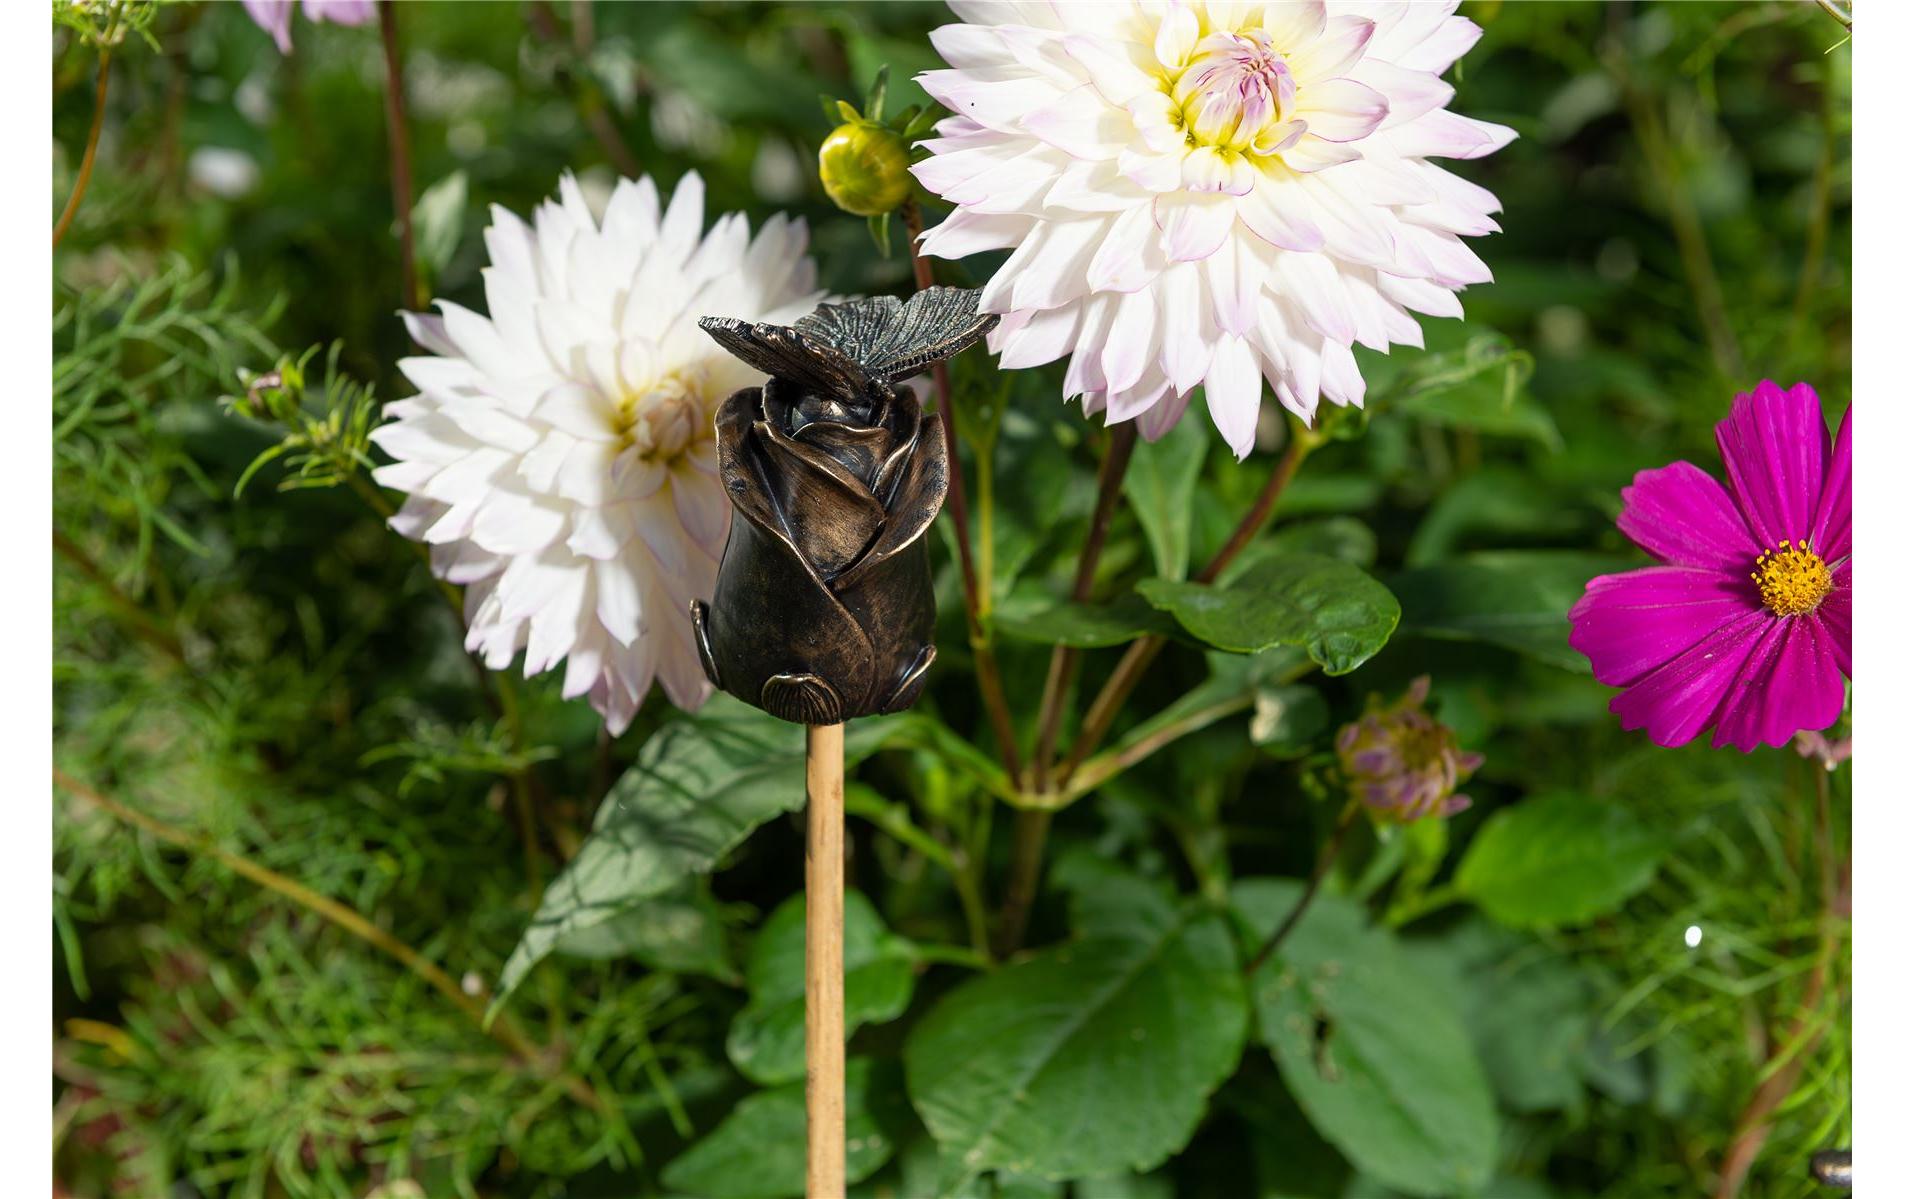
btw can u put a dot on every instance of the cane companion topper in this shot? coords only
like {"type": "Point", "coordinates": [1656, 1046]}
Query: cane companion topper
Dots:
{"type": "Point", "coordinates": [823, 609]}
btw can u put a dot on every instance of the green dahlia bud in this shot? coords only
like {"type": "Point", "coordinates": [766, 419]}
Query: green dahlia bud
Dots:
{"type": "Point", "coordinates": [863, 168]}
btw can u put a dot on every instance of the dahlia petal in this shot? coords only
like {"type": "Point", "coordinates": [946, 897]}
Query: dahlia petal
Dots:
{"type": "Point", "coordinates": [1094, 187]}
{"type": "Point", "coordinates": [1677, 701]}
{"type": "Point", "coordinates": [1130, 256]}
{"type": "Point", "coordinates": [1193, 224]}
{"type": "Point", "coordinates": [1177, 34]}
{"type": "Point", "coordinates": [1680, 515]}
{"type": "Point", "coordinates": [618, 601]}
{"type": "Point", "coordinates": [1157, 420]}
{"type": "Point", "coordinates": [1190, 329]}
{"type": "Point", "coordinates": [967, 232]}
{"type": "Point", "coordinates": [1628, 625]}
{"type": "Point", "coordinates": [1268, 213]}
{"type": "Point", "coordinates": [1233, 391]}
{"type": "Point", "coordinates": [993, 104]}
{"type": "Point", "coordinates": [1294, 24]}
{"type": "Point", "coordinates": [1128, 348]}
{"type": "Point", "coordinates": [1455, 37]}
{"type": "Point", "coordinates": [1775, 447]}
{"type": "Point", "coordinates": [703, 508]}
{"type": "Point", "coordinates": [1338, 50]}
{"type": "Point", "coordinates": [1341, 110]}
{"type": "Point", "coordinates": [970, 47]}
{"type": "Point", "coordinates": [1341, 380]}
{"type": "Point", "coordinates": [1410, 94]}
{"type": "Point", "coordinates": [1043, 337]}
{"type": "Point", "coordinates": [426, 329]}
{"type": "Point", "coordinates": [578, 410]}
{"type": "Point", "coordinates": [1443, 134]}
{"type": "Point", "coordinates": [1832, 523]}
{"type": "Point", "coordinates": [1080, 123]}
{"type": "Point", "coordinates": [1111, 67]}
{"type": "Point", "coordinates": [1789, 682]}
{"type": "Point", "coordinates": [1317, 154]}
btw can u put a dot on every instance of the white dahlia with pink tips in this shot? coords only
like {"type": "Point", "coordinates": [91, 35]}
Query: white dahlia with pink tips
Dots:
{"type": "Point", "coordinates": [559, 455]}
{"type": "Point", "coordinates": [1207, 193]}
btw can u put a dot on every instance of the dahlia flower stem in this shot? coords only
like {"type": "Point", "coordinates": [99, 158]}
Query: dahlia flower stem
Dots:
{"type": "Point", "coordinates": [826, 977]}
{"type": "Point", "coordinates": [1324, 860]}
{"type": "Point", "coordinates": [1142, 652]}
{"type": "Point", "coordinates": [1808, 1026]}
{"type": "Point", "coordinates": [985, 663]}
{"type": "Point", "coordinates": [92, 150]}
{"type": "Point", "coordinates": [1064, 663]}
{"type": "Point", "coordinates": [1836, 13]}
{"type": "Point", "coordinates": [397, 119]}
{"type": "Point", "coordinates": [502, 1028]}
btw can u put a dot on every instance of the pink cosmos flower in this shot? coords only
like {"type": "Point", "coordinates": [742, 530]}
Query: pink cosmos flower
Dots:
{"type": "Point", "coordinates": [274, 16]}
{"type": "Point", "coordinates": [1746, 628]}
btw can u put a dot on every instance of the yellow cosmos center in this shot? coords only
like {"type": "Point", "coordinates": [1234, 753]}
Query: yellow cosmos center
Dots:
{"type": "Point", "coordinates": [661, 421]}
{"type": "Point", "coordinates": [1792, 579]}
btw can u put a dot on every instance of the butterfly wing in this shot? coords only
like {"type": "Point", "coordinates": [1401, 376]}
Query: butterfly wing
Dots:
{"type": "Point", "coordinates": [897, 341]}
{"type": "Point", "coordinates": [789, 354]}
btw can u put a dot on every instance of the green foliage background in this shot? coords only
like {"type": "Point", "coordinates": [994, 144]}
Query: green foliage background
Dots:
{"type": "Point", "coordinates": [1502, 1005]}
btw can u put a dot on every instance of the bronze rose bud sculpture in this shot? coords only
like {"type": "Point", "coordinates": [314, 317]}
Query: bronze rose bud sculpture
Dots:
{"type": "Point", "coordinates": [823, 609]}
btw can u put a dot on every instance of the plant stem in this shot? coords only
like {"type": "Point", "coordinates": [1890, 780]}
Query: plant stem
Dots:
{"type": "Point", "coordinates": [92, 150]}
{"type": "Point", "coordinates": [1101, 769]}
{"type": "Point", "coordinates": [1696, 256]}
{"type": "Point", "coordinates": [503, 1029]}
{"type": "Point", "coordinates": [1064, 663]}
{"type": "Point", "coordinates": [1836, 13]}
{"type": "Point", "coordinates": [1324, 860]}
{"type": "Point", "coordinates": [1142, 652]}
{"type": "Point", "coordinates": [985, 664]}
{"type": "Point", "coordinates": [1030, 826]}
{"type": "Point", "coordinates": [137, 618]}
{"type": "Point", "coordinates": [1030, 829]}
{"type": "Point", "coordinates": [583, 92]}
{"type": "Point", "coordinates": [396, 118]}
{"type": "Point", "coordinates": [1807, 1026]}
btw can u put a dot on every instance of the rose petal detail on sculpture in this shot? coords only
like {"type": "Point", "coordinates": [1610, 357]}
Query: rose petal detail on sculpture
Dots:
{"type": "Point", "coordinates": [917, 496]}
{"type": "Point", "coordinates": [829, 513]}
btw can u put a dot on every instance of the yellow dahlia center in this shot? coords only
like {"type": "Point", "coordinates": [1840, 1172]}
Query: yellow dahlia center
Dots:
{"type": "Point", "coordinates": [1792, 579]}
{"type": "Point", "coordinates": [1235, 89]}
{"type": "Point", "coordinates": [662, 420]}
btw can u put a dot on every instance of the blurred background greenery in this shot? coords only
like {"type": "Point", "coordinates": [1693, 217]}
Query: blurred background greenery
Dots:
{"type": "Point", "coordinates": [273, 678]}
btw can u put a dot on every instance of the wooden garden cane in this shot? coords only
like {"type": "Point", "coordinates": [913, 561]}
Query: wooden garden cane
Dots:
{"type": "Point", "coordinates": [826, 972]}
{"type": "Point", "coordinates": [823, 607]}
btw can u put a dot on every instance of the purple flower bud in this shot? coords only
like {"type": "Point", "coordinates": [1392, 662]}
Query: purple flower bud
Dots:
{"type": "Point", "coordinates": [1401, 763]}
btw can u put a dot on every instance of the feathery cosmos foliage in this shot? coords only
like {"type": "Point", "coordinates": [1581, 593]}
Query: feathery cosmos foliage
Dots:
{"type": "Point", "coordinates": [1216, 194]}
{"type": "Point", "coordinates": [559, 454]}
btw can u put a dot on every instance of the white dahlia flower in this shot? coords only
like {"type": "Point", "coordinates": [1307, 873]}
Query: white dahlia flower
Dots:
{"type": "Point", "coordinates": [559, 457]}
{"type": "Point", "coordinates": [1209, 193]}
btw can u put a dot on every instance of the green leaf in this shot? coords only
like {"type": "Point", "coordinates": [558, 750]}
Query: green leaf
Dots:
{"type": "Point", "coordinates": [1375, 1054]}
{"type": "Point", "coordinates": [1557, 859]}
{"type": "Point", "coordinates": [1046, 621]}
{"type": "Point", "coordinates": [700, 785]}
{"type": "Point", "coordinates": [1528, 1008]}
{"type": "Point", "coordinates": [1093, 1057]}
{"type": "Point", "coordinates": [438, 219]}
{"type": "Point", "coordinates": [760, 1151]}
{"type": "Point", "coordinates": [1518, 599]}
{"type": "Point", "coordinates": [680, 932]}
{"type": "Point", "coordinates": [1160, 484]}
{"type": "Point", "coordinates": [1331, 608]}
{"type": "Point", "coordinates": [768, 1040]}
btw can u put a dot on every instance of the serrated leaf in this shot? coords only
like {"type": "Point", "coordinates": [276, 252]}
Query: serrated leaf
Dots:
{"type": "Point", "coordinates": [1518, 599]}
{"type": "Point", "coordinates": [700, 785]}
{"type": "Point", "coordinates": [760, 1150]}
{"type": "Point", "coordinates": [1374, 1053]}
{"type": "Point", "coordinates": [1161, 483]}
{"type": "Point", "coordinates": [1094, 1057]}
{"type": "Point", "coordinates": [1557, 859]}
{"type": "Point", "coordinates": [768, 1039]}
{"type": "Point", "coordinates": [1084, 625]}
{"type": "Point", "coordinates": [1331, 608]}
